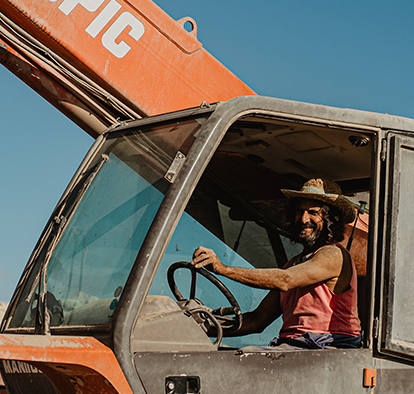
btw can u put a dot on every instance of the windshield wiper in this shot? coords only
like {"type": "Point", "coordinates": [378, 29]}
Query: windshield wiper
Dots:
{"type": "Point", "coordinates": [58, 227]}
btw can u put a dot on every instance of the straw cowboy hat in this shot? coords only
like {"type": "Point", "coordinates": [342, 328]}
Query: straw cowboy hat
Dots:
{"type": "Point", "coordinates": [326, 191]}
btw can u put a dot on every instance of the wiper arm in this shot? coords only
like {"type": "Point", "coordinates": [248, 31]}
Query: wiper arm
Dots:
{"type": "Point", "coordinates": [59, 225]}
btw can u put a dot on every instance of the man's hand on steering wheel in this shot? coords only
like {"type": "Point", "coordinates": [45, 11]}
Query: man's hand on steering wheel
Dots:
{"type": "Point", "coordinates": [204, 257]}
{"type": "Point", "coordinates": [230, 316]}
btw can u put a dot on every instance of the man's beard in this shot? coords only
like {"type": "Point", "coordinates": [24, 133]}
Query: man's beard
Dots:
{"type": "Point", "coordinates": [316, 236]}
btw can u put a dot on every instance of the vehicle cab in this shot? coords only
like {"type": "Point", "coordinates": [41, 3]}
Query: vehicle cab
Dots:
{"type": "Point", "coordinates": [152, 190]}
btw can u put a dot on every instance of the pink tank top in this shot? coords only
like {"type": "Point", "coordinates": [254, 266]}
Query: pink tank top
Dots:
{"type": "Point", "coordinates": [316, 308]}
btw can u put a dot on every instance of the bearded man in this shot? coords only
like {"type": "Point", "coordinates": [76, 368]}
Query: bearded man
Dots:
{"type": "Point", "coordinates": [316, 291]}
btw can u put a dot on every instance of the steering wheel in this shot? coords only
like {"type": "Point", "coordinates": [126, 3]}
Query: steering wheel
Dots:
{"type": "Point", "coordinates": [230, 317]}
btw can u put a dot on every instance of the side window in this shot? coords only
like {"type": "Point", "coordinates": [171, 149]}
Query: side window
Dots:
{"type": "Point", "coordinates": [239, 243]}
{"type": "Point", "coordinates": [239, 210]}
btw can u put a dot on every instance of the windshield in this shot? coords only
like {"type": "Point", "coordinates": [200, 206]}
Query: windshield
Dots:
{"type": "Point", "coordinates": [82, 263]}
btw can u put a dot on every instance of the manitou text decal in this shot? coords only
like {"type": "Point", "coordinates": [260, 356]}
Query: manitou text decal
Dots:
{"type": "Point", "coordinates": [123, 21]}
{"type": "Point", "coordinates": [18, 367]}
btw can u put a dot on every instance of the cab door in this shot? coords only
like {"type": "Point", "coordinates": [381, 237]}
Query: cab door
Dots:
{"type": "Point", "coordinates": [396, 322]}
{"type": "Point", "coordinates": [238, 210]}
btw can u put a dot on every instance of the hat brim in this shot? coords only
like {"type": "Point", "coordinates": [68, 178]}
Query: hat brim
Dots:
{"type": "Point", "coordinates": [336, 200]}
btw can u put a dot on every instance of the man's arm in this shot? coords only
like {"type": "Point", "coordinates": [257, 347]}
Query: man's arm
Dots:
{"type": "Point", "coordinates": [324, 265]}
{"type": "Point", "coordinates": [265, 314]}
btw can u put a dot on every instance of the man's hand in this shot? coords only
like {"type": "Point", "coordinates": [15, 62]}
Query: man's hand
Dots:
{"type": "Point", "coordinates": [204, 257]}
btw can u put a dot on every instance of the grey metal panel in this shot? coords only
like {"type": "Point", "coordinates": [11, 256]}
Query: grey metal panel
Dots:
{"type": "Point", "coordinates": [289, 107]}
{"type": "Point", "coordinates": [162, 326]}
{"type": "Point", "coordinates": [358, 117]}
{"type": "Point", "coordinates": [320, 371]}
{"type": "Point", "coordinates": [393, 377]}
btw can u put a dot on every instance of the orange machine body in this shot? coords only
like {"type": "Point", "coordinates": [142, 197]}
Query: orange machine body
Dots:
{"type": "Point", "coordinates": [73, 364]}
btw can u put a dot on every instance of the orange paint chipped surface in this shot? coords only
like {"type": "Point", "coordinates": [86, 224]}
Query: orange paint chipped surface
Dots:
{"type": "Point", "coordinates": [68, 361]}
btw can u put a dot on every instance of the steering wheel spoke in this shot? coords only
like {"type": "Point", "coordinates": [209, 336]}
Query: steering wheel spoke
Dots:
{"type": "Point", "coordinates": [193, 285]}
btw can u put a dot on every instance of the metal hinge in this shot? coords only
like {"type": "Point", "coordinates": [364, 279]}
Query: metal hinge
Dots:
{"type": "Point", "coordinates": [383, 149]}
{"type": "Point", "coordinates": [60, 221]}
{"type": "Point", "coordinates": [175, 167]}
{"type": "Point", "coordinates": [375, 328]}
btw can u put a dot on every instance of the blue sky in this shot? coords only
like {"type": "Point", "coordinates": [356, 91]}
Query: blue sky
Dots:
{"type": "Point", "coordinates": [354, 54]}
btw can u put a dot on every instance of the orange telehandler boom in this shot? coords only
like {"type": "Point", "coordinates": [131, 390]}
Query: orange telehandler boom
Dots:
{"type": "Point", "coordinates": [103, 61]}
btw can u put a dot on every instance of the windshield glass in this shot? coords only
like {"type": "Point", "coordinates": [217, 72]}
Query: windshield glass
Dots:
{"type": "Point", "coordinates": [86, 254]}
